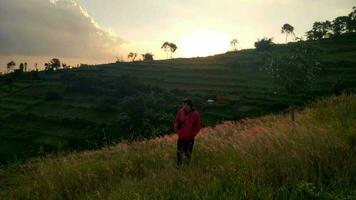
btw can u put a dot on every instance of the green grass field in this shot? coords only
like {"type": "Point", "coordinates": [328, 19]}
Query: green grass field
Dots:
{"type": "Point", "coordinates": [31, 124]}
{"type": "Point", "coordinates": [262, 158]}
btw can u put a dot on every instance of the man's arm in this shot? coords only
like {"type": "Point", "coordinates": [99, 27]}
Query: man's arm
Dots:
{"type": "Point", "coordinates": [196, 125]}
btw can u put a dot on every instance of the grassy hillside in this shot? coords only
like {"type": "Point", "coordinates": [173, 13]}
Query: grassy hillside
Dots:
{"type": "Point", "coordinates": [260, 158]}
{"type": "Point", "coordinates": [80, 108]}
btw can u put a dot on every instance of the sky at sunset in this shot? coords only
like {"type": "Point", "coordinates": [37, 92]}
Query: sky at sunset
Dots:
{"type": "Point", "coordinates": [98, 31]}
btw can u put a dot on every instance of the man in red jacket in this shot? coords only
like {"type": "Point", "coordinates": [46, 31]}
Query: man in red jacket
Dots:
{"type": "Point", "coordinates": [187, 126]}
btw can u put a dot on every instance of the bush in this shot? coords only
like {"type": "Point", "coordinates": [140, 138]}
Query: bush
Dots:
{"type": "Point", "coordinates": [147, 57]}
{"type": "Point", "coordinates": [179, 92]}
{"type": "Point", "coordinates": [252, 159]}
{"type": "Point", "coordinates": [53, 96]}
{"type": "Point", "coordinates": [82, 84]}
{"type": "Point", "coordinates": [264, 44]}
{"type": "Point", "coordinates": [106, 105]}
{"type": "Point", "coordinates": [126, 86]}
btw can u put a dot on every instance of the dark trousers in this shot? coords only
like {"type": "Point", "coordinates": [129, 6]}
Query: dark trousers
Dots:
{"type": "Point", "coordinates": [184, 151]}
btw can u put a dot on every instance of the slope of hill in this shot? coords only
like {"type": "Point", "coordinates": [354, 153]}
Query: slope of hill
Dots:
{"type": "Point", "coordinates": [80, 108]}
{"type": "Point", "coordinates": [260, 158]}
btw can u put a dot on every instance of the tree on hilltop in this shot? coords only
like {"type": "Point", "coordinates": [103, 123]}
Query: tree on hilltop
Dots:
{"type": "Point", "coordinates": [169, 47]}
{"type": "Point", "coordinates": [320, 30]}
{"type": "Point", "coordinates": [132, 56]}
{"type": "Point", "coordinates": [173, 49]}
{"type": "Point", "coordinates": [21, 67]}
{"type": "Point", "coordinates": [339, 25]}
{"type": "Point", "coordinates": [264, 44]}
{"type": "Point", "coordinates": [10, 66]}
{"type": "Point", "coordinates": [288, 30]}
{"type": "Point", "coordinates": [147, 57]}
{"type": "Point", "coordinates": [233, 44]}
{"type": "Point", "coordinates": [53, 64]}
{"type": "Point", "coordinates": [351, 25]}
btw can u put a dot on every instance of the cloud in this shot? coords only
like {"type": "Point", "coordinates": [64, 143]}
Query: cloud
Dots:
{"type": "Point", "coordinates": [53, 28]}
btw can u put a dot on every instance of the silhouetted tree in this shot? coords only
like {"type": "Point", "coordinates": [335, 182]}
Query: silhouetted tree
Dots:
{"type": "Point", "coordinates": [54, 64]}
{"type": "Point", "coordinates": [351, 25]}
{"type": "Point", "coordinates": [320, 30]}
{"type": "Point", "coordinates": [169, 47]}
{"type": "Point", "coordinates": [173, 49]}
{"type": "Point", "coordinates": [10, 66]}
{"type": "Point", "coordinates": [166, 47]}
{"type": "Point", "coordinates": [25, 66]}
{"type": "Point", "coordinates": [288, 30]}
{"type": "Point", "coordinates": [233, 44]}
{"type": "Point", "coordinates": [339, 25]}
{"type": "Point", "coordinates": [299, 39]}
{"type": "Point", "coordinates": [264, 44]}
{"type": "Point", "coordinates": [132, 56]}
{"type": "Point", "coordinates": [295, 71]}
{"type": "Point", "coordinates": [21, 67]}
{"type": "Point", "coordinates": [147, 57]}
{"type": "Point", "coordinates": [65, 66]}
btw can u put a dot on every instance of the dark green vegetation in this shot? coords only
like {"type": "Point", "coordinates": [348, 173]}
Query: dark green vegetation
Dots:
{"type": "Point", "coordinates": [332, 29]}
{"type": "Point", "coordinates": [91, 106]}
{"type": "Point", "coordinates": [78, 109]}
{"type": "Point", "coordinates": [261, 158]}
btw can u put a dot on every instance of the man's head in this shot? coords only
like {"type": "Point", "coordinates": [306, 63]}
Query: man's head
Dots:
{"type": "Point", "coordinates": [188, 104]}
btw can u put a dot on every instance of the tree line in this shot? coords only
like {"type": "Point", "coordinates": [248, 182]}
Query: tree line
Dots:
{"type": "Point", "coordinates": [53, 65]}
{"type": "Point", "coordinates": [168, 47]}
{"type": "Point", "coordinates": [339, 26]}
{"type": "Point", "coordinates": [320, 30]}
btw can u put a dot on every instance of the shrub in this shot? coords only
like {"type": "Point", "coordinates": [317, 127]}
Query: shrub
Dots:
{"type": "Point", "coordinates": [53, 96]}
{"type": "Point", "coordinates": [265, 44]}
{"type": "Point", "coordinates": [106, 105]}
{"type": "Point", "coordinates": [179, 92]}
{"type": "Point", "coordinates": [147, 57]}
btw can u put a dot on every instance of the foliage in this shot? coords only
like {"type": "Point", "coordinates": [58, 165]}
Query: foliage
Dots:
{"type": "Point", "coordinates": [147, 57]}
{"type": "Point", "coordinates": [252, 159]}
{"type": "Point", "coordinates": [53, 64]}
{"type": "Point", "coordinates": [320, 30]}
{"type": "Point", "coordinates": [106, 105]}
{"type": "Point", "coordinates": [296, 70]}
{"type": "Point", "coordinates": [132, 56]}
{"type": "Point", "coordinates": [53, 96]}
{"type": "Point", "coordinates": [169, 47]}
{"type": "Point", "coordinates": [10, 66]}
{"type": "Point", "coordinates": [351, 26]}
{"type": "Point", "coordinates": [287, 29]}
{"type": "Point", "coordinates": [65, 66]}
{"type": "Point", "coordinates": [339, 25]}
{"type": "Point", "coordinates": [264, 44]}
{"type": "Point", "coordinates": [234, 43]}
{"type": "Point", "coordinates": [81, 83]}
{"type": "Point", "coordinates": [241, 91]}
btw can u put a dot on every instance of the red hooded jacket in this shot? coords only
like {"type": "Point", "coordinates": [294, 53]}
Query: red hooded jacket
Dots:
{"type": "Point", "coordinates": [187, 124]}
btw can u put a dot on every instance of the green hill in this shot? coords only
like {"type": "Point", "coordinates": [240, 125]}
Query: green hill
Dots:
{"type": "Point", "coordinates": [260, 158]}
{"type": "Point", "coordinates": [87, 107]}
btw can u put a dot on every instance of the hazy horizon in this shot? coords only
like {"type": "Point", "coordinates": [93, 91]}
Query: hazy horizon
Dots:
{"type": "Point", "coordinates": [78, 31]}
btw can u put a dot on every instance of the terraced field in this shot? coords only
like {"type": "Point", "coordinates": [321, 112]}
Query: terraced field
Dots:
{"type": "Point", "coordinates": [236, 77]}
{"type": "Point", "coordinates": [31, 122]}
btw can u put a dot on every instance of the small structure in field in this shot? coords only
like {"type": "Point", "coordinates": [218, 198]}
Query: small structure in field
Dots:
{"type": "Point", "coordinates": [210, 101]}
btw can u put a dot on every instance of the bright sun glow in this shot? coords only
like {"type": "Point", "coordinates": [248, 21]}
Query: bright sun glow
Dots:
{"type": "Point", "coordinates": [204, 43]}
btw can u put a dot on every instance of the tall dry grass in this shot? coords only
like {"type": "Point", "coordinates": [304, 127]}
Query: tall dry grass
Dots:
{"type": "Point", "coordinates": [261, 158]}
